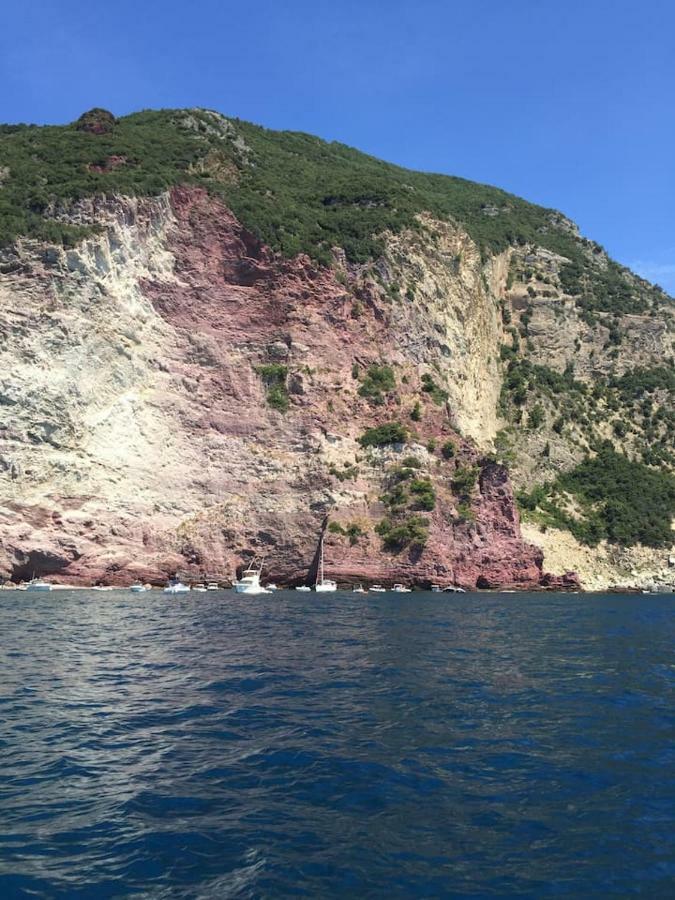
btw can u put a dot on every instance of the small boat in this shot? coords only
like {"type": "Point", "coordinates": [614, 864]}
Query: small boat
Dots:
{"type": "Point", "coordinates": [271, 587]}
{"type": "Point", "coordinates": [359, 589]}
{"type": "Point", "coordinates": [199, 588]}
{"type": "Point", "coordinates": [323, 585]}
{"type": "Point", "coordinates": [303, 587]}
{"type": "Point", "coordinates": [401, 589]}
{"type": "Point", "coordinates": [138, 588]}
{"type": "Point", "coordinates": [249, 583]}
{"type": "Point", "coordinates": [36, 585]}
{"type": "Point", "coordinates": [213, 586]}
{"type": "Point", "coordinates": [377, 589]}
{"type": "Point", "coordinates": [436, 589]}
{"type": "Point", "coordinates": [102, 587]}
{"type": "Point", "coordinates": [453, 589]}
{"type": "Point", "coordinates": [176, 587]}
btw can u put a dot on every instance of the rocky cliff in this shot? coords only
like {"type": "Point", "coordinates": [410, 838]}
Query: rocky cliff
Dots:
{"type": "Point", "coordinates": [187, 381]}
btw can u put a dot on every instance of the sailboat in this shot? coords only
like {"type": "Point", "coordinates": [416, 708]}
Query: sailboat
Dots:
{"type": "Point", "coordinates": [323, 584]}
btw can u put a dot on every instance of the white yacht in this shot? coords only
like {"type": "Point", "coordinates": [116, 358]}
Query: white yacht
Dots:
{"type": "Point", "coordinates": [212, 586]}
{"type": "Point", "coordinates": [138, 588]}
{"type": "Point", "coordinates": [377, 589]}
{"type": "Point", "coordinates": [303, 587]}
{"type": "Point", "coordinates": [401, 589]}
{"type": "Point", "coordinates": [176, 587]}
{"type": "Point", "coordinates": [453, 589]}
{"type": "Point", "coordinates": [436, 589]}
{"type": "Point", "coordinates": [200, 588]}
{"type": "Point", "coordinates": [359, 589]}
{"type": "Point", "coordinates": [323, 585]}
{"type": "Point", "coordinates": [249, 583]}
{"type": "Point", "coordinates": [36, 585]}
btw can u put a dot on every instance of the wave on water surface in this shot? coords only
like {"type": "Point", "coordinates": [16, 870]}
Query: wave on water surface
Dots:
{"type": "Point", "coordinates": [378, 746]}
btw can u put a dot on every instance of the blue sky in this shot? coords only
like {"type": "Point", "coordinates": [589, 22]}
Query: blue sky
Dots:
{"type": "Point", "coordinates": [569, 104]}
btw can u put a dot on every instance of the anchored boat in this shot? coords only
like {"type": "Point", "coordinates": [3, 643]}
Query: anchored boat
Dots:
{"type": "Point", "coordinates": [36, 585]}
{"type": "Point", "coordinates": [249, 583]}
{"type": "Point", "coordinates": [176, 587]}
{"type": "Point", "coordinates": [323, 584]}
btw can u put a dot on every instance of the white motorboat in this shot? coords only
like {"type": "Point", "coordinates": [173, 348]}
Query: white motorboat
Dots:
{"type": "Point", "coordinates": [323, 585]}
{"type": "Point", "coordinates": [401, 589]}
{"type": "Point", "coordinates": [213, 586]}
{"type": "Point", "coordinates": [102, 587]}
{"type": "Point", "coordinates": [453, 589]}
{"type": "Point", "coordinates": [138, 588]}
{"type": "Point", "coordinates": [377, 589]}
{"type": "Point", "coordinates": [176, 587]}
{"type": "Point", "coordinates": [436, 589]}
{"type": "Point", "coordinates": [249, 583]}
{"type": "Point", "coordinates": [36, 585]}
{"type": "Point", "coordinates": [303, 587]}
{"type": "Point", "coordinates": [359, 589]}
{"type": "Point", "coordinates": [200, 588]}
{"type": "Point", "coordinates": [271, 587]}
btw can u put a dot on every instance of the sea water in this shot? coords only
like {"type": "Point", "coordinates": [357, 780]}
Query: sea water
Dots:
{"type": "Point", "coordinates": [425, 745]}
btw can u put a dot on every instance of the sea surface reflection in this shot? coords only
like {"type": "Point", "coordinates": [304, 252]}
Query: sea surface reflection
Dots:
{"type": "Point", "coordinates": [378, 746]}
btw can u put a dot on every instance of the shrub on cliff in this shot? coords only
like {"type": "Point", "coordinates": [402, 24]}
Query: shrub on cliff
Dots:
{"type": "Point", "coordinates": [378, 381]}
{"type": "Point", "coordinates": [429, 386]}
{"type": "Point", "coordinates": [352, 530]}
{"type": "Point", "coordinates": [464, 480]}
{"type": "Point", "coordinates": [424, 493]}
{"type": "Point", "coordinates": [274, 378]}
{"type": "Point", "coordinates": [413, 533]}
{"type": "Point", "coordinates": [381, 435]}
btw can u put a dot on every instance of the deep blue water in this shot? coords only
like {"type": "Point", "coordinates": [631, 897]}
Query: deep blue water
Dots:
{"type": "Point", "coordinates": [336, 746]}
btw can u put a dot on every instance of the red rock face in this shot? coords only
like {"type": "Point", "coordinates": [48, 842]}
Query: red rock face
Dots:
{"type": "Point", "coordinates": [111, 163]}
{"type": "Point", "coordinates": [237, 291]}
{"type": "Point", "coordinates": [259, 481]}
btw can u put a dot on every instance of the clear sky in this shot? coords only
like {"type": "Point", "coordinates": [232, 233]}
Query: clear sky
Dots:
{"type": "Point", "coordinates": [568, 103]}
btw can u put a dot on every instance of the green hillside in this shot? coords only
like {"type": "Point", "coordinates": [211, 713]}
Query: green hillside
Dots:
{"type": "Point", "coordinates": [295, 191]}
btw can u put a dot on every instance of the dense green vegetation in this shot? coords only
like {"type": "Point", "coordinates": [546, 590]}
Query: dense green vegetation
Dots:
{"type": "Point", "coordinates": [635, 383]}
{"type": "Point", "coordinates": [616, 498]}
{"type": "Point", "coordinates": [601, 289]}
{"type": "Point", "coordinates": [381, 435]}
{"type": "Point", "coordinates": [295, 191]}
{"type": "Point", "coordinates": [51, 164]}
{"type": "Point", "coordinates": [523, 376]}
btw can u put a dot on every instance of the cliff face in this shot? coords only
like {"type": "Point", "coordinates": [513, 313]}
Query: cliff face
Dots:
{"type": "Point", "coordinates": [137, 438]}
{"type": "Point", "coordinates": [183, 386]}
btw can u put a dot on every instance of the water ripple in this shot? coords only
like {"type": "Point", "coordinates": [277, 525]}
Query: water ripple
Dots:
{"type": "Point", "coordinates": [420, 746]}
